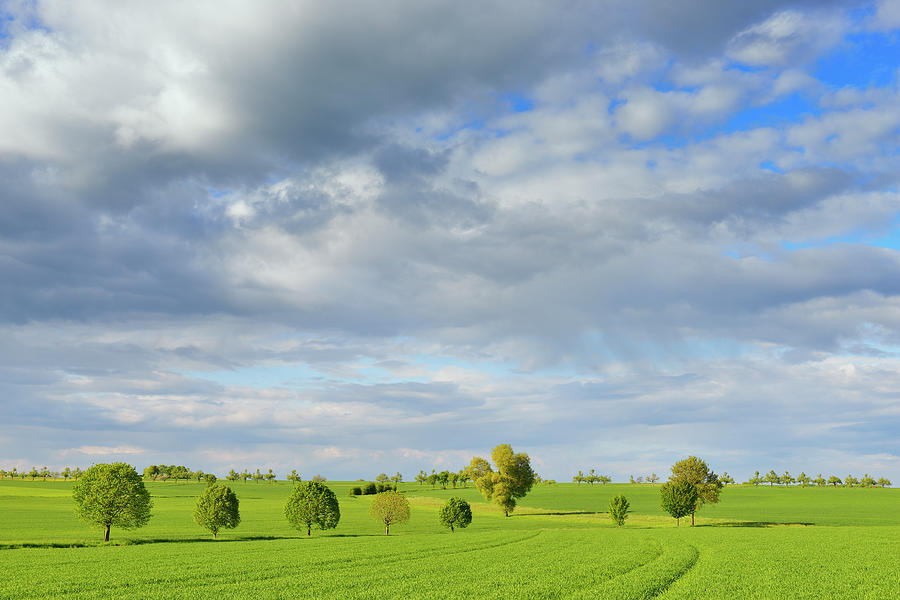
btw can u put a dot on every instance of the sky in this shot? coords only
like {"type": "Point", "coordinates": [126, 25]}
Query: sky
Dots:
{"type": "Point", "coordinates": [353, 238]}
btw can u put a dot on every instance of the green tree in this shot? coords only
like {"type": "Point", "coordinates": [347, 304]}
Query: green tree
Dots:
{"type": "Point", "coordinates": [217, 508]}
{"type": "Point", "coordinates": [834, 480]}
{"type": "Point", "coordinates": [389, 508]}
{"type": "Point", "coordinates": [112, 495]}
{"type": "Point", "coordinates": [382, 478]}
{"type": "Point", "coordinates": [210, 479]}
{"type": "Point", "coordinates": [867, 481]}
{"type": "Point", "coordinates": [233, 475]}
{"type": "Point", "coordinates": [578, 478]}
{"type": "Point", "coordinates": [604, 479]}
{"type": "Point", "coordinates": [33, 473]}
{"type": "Point", "coordinates": [455, 512]}
{"type": "Point", "coordinates": [884, 482]}
{"type": "Point", "coordinates": [258, 476]}
{"type": "Point", "coordinates": [618, 509]}
{"type": "Point", "coordinates": [678, 498]}
{"type": "Point", "coordinates": [422, 477]}
{"type": "Point", "coordinates": [270, 476]}
{"type": "Point", "coordinates": [312, 503]}
{"type": "Point", "coordinates": [697, 473]}
{"type": "Point", "coordinates": [786, 479]}
{"type": "Point", "coordinates": [592, 477]}
{"type": "Point", "coordinates": [512, 479]}
{"type": "Point", "coordinates": [198, 475]}
{"type": "Point", "coordinates": [819, 480]}
{"type": "Point", "coordinates": [803, 479]}
{"type": "Point", "coordinates": [245, 475]}
{"type": "Point", "coordinates": [66, 473]}
{"type": "Point", "coordinates": [77, 473]}
{"type": "Point", "coordinates": [726, 478]}
{"type": "Point", "coordinates": [756, 479]}
{"type": "Point", "coordinates": [293, 476]}
{"type": "Point", "coordinates": [432, 480]}
{"type": "Point", "coordinates": [397, 478]}
{"type": "Point", "coordinates": [851, 481]}
{"type": "Point", "coordinates": [653, 478]}
{"type": "Point", "coordinates": [443, 478]}
{"type": "Point", "coordinates": [772, 477]}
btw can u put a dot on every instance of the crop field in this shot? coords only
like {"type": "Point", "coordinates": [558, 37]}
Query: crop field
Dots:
{"type": "Point", "coordinates": [759, 542]}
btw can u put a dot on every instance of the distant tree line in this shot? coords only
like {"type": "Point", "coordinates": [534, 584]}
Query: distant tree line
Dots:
{"type": "Point", "coordinates": [592, 477]}
{"type": "Point", "coordinates": [804, 480]}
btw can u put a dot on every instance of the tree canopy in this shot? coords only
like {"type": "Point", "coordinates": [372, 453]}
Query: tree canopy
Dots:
{"type": "Point", "coordinates": [312, 503]}
{"type": "Point", "coordinates": [513, 478]}
{"type": "Point", "coordinates": [217, 508]}
{"type": "Point", "coordinates": [456, 512]}
{"type": "Point", "coordinates": [112, 494]}
{"type": "Point", "coordinates": [390, 508]}
{"type": "Point", "coordinates": [678, 498]}
{"type": "Point", "coordinates": [697, 473]}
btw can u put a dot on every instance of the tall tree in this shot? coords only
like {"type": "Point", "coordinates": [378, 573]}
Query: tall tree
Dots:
{"type": "Point", "coordinates": [112, 495]}
{"type": "Point", "coordinates": [513, 478]}
{"type": "Point", "coordinates": [217, 508]}
{"type": "Point", "coordinates": [697, 473]}
{"type": "Point", "coordinates": [312, 503]}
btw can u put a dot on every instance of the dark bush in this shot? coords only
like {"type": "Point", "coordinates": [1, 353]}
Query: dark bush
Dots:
{"type": "Point", "coordinates": [355, 491]}
{"type": "Point", "coordinates": [369, 489]}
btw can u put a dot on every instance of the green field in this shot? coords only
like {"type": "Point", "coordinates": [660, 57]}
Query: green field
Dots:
{"type": "Point", "coordinates": [759, 542]}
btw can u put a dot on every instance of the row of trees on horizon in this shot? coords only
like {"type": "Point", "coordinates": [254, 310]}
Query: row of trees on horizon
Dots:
{"type": "Point", "coordinates": [447, 478]}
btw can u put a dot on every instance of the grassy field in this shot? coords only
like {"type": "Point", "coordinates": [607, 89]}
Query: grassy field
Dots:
{"type": "Point", "coordinates": [757, 543]}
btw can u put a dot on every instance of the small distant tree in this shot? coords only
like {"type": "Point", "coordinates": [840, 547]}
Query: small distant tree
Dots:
{"type": "Point", "coordinates": [34, 473]}
{"type": "Point", "coordinates": [443, 478]}
{"type": "Point", "coordinates": [618, 509]}
{"type": "Point", "coordinates": [803, 479]}
{"type": "Point", "coordinates": [756, 479]}
{"type": "Point", "coordinates": [112, 495]}
{"type": "Point", "coordinates": [233, 475]}
{"type": "Point", "coordinates": [884, 482]}
{"type": "Point", "coordinates": [270, 476]}
{"type": "Point", "coordinates": [319, 478]}
{"type": "Point", "coordinates": [210, 479]}
{"type": "Point", "coordinates": [653, 478]}
{"type": "Point", "coordinates": [258, 476]}
{"type": "Point", "coordinates": [819, 480]}
{"type": "Point", "coordinates": [382, 478]}
{"type": "Point", "coordinates": [422, 477]}
{"type": "Point", "coordinates": [631, 479]}
{"type": "Point", "coordinates": [725, 478]}
{"type": "Point", "coordinates": [312, 503]}
{"type": "Point", "coordinates": [199, 476]}
{"type": "Point", "coordinates": [786, 479]}
{"type": "Point", "coordinates": [77, 473]}
{"type": "Point", "coordinates": [454, 477]}
{"type": "Point", "coordinates": [867, 481]}
{"type": "Point", "coordinates": [456, 512]}
{"type": "Point", "coordinates": [389, 508]}
{"type": "Point", "coordinates": [678, 498]}
{"type": "Point", "coordinates": [45, 473]}
{"type": "Point", "coordinates": [464, 477]}
{"type": "Point", "coordinates": [292, 476]}
{"type": "Point", "coordinates": [834, 480]}
{"type": "Point", "coordinates": [432, 480]}
{"type": "Point", "coordinates": [397, 478]}
{"type": "Point", "coordinates": [245, 475]}
{"type": "Point", "coordinates": [217, 508]}
{"type": "Point", "coordinates": [592, 477]}
{"type": "Point", "coordinates": [772, 477]}
{"type": "Point", "coordinates": [578, 478]}
{"type": "Point", "coordinates": [851, 481]}
{"type": "Point", "coordinates": [640, 479]}
{"type": "Point", "coordinates": [604, 479]}
{"type": "Point", "coordinates": [66, 473]}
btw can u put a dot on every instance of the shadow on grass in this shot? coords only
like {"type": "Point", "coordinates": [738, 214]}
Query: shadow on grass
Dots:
{"type": "Point", "coordinates": [193, 540]}
{"type": "Point", "coordinates": [557, 514]}
{"type": "Point", "coordinates": [756, 524]}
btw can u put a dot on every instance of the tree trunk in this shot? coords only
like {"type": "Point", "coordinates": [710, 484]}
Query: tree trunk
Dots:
{"type": "Point", "coordinates": [106, 538]}
{"type": "Point", "coordinates": [506, 512]}
{"type": "Point", "coordinates": [215, 533]}
{"type": "Point", "coordinates": [451, 528]}
{"type": "Point", "coordinates": [692, 519]}
{"type": "Point", "coordinates": [308, 530]}
{"type": "Point", "coordinates": [677, 522]}
{"type": "Point", "coordinates": [386, 527]}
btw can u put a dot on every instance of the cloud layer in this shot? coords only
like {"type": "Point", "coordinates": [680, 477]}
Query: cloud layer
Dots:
{"type": "Point", "coordinates": [389, 238]}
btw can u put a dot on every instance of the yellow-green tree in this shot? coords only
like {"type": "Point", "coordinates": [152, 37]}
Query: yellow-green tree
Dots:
{"type": "Point", "coordinates": [696, 472]}
{"type": "Point", "coordinates": [511, 480]}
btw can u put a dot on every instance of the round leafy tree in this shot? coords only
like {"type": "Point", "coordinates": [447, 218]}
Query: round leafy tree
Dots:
{"type": "Point", "coordinates": [456, 512]}
{"type": "Point", "coordinates": [112, 494]}
{"type": "Point", "coordinates": [390, 508]}
{"type": "Point", "coordinates": [312, 503]}
{"type": "Point", "coordinates": [217, 508]}
{"type": "Point", "coordinates": [618, 509]}
{"type": "Point", "coordinates": [678, 498]}
{"type": "Point", "coordinates": [513, 478]}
